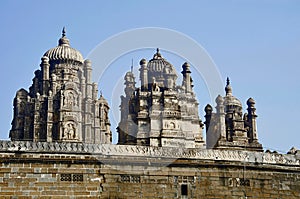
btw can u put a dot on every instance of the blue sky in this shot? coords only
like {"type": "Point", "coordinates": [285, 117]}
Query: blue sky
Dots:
{"type": "Point", "coordinates": [255, 43]}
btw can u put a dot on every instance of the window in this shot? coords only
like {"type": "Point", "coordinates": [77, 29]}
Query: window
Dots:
{"type": "Point", "coordinates": [71, 177]}
{"type": "Point", "coordinates": [184, 190]}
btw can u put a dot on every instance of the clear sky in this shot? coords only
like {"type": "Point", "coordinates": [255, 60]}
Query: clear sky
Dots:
{"type": "Point", "coordinates": [256, 43]}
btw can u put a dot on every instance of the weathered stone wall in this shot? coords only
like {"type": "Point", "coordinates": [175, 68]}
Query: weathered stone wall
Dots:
{"type": "Point", "coordinates": [28, 174]}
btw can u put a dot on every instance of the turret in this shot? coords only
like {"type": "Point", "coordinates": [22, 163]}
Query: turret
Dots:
{"type": "Point", "coordinates": [144, 75]}
{"type": "Point", "coordinates": [252, 120]}
{"type": "Point", "coordinates": [45, 73]}
{"type": "Point", "coordinates": [208, 113]}
{"type": "Point", "coordinates": [186, 82]}
{"type": "Point", "coordinates": [129, 84]}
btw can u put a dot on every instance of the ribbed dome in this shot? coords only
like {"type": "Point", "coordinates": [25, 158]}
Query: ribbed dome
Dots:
{"type": "Point", "coordinates": [102, 100]}
{"type": "Point", "coordinates": [229, 99]}
{"type": "Point", "coordinates": [63, 52]}
{"type": "Point", "coordinates": [159, 65]}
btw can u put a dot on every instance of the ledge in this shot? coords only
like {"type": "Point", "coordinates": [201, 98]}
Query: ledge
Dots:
{"type": "Point", "coordinates": [149, 151]}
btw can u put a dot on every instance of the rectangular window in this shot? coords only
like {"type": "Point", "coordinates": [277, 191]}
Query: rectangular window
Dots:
{"type": "Point", "coordinates": [184, 190]}
{"type": "Point", "coordinates": [77, 177]}
{"type": "Point", "coordinates": [71, 177]}
{"type": "Point", "coordinates": [65, 177]}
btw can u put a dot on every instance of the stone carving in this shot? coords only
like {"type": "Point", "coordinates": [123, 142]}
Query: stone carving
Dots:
{"type": "Point", "coordinates": [61, 91]}
{"type": "Point", "coordinates": [70, 99]}
{"type": "Point", "coordinates": [228, 127]}
{"type": "Point", "coordinates": [159, 100]}
{"type": "Point", "coordinates": [70, 132]}
{"type": "Point", "coordinates": [148, 151]}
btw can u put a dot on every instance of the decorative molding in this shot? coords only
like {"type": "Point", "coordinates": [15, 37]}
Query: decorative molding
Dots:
{"type": "Point", "coordinates": [149, 151]}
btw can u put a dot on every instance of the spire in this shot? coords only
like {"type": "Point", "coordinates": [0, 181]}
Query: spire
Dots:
{"type": "Point", "coordinates": [131, 65]}
{"type": "Point", "coordinates": [64, 31]}
{"type": "Point", "coordinates": [157, 55]}
{"type": "Point", "coordinates": [63, 41]}
{"type": "Point", "coordinates": [228, 88]}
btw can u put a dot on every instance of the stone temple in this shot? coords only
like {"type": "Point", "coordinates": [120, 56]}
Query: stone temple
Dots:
{"type": "Point", "coordinates": [61, 140]}
{"type": "Point", "coordinates": [160, 113]}
{"type": "Point", "coordinates": [62, 104]}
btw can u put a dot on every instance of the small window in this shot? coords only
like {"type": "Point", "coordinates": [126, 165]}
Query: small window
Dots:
{"type": "Point", "coordinates": [184, 190]}
{"type": "Point", "coordinates": [77, 177]}
{"type": "Point", "coordinates": [65, 177]}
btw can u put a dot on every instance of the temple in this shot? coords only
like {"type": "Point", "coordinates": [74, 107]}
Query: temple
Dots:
{"type": "Point", "coordinates": [159, 112]}
{"type": "Point", "coordinates": [62, 104]}
{"type": "Point", "coordinates": [228, 128]}
{"type": "Point", "coordinates": [61, 144]}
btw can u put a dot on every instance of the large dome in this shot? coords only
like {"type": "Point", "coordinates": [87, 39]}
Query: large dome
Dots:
{"type": "Point", "coordinates": [63, 52]}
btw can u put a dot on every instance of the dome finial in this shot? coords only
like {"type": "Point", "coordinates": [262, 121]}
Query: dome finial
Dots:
{"type": "Point", "coordinates": [64, 41]}
{"type": "Point", "coordinates": [228, 88]}
{"type": "Point", "coordinates": [64, 31]}
{"type": "Point", "coordinates": [227, 81]}
{"type": "Point", "coordinates": [157, 55]}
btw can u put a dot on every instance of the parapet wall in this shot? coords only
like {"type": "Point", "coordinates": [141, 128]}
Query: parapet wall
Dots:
{"type": "Point", "coordinates": [32, 170]}
{"type": "Point", "coordinates": [149, 151]}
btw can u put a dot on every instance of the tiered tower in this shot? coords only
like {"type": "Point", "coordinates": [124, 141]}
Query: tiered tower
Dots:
{"type": "Point", "coordinates": [160, 113]}
{"type": "Point", "coordinates": [62, 103]}
{"type": "Point", "coordinates": [228, 128]}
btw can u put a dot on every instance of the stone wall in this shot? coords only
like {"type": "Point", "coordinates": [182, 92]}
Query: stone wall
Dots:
{"type": "Point", "coordinates": [27, 173]}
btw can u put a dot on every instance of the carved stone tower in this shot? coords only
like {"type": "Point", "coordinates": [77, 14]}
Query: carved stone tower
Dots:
{"type": "Point", "coordinates": [159, 113]}
{"type": "Point", "coordinates": [228, 127]}
{"type": "Point", "coordinates": [62, 103]}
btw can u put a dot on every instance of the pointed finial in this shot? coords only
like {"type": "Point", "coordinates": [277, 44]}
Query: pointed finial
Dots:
{"type": "Point", "coordinates": [227, 81]}
{"type": "Point", "coordinates": [131, 65]}
{"type": "Point", "coordinates": [157, 55]}
{"type": "Point", "coordinates": [64, 31]}
{"type": "Point", "coordinates": [228, 88]}
{"type": "Point", "coordinates": [100, 93]}
{"type": "Point", "coordinates": [63, 41]}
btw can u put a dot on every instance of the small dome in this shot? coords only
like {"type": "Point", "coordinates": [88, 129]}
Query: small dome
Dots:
{"type": "Point", "coordinates": [250, 102]}
{"type": "Point", "coordinates": [102, 100]}
{"type": "Point", "coordinates": [219, 99]}
{"type": "Point", "coordinates": [158, 65]}
{"type": "Point", "coordinates": [63, 52]}
{"type": "Point", "coordinates": [22, 93]}
{"type": "Point", "coordinates": [208, 108]}
{"type": "Point", "coordinates": [129, 77]}
{"type": "Point", "coordinates": [229, 99]}
{"type": "Point", "coordinates": [143, 61]}
{"type": "Point", "coordinates": [186, 67]}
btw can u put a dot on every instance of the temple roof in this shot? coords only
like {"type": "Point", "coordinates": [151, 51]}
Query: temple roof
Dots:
{"type": "Point", "coordinates": [229, 99]}
{"type": "Point", "coordinates": [158, 64]}
{"type": "Point", "coordinates": [64, 52]}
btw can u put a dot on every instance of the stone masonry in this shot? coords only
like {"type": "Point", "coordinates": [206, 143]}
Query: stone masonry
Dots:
{"type": "Point", "coordinates": [61, 140]}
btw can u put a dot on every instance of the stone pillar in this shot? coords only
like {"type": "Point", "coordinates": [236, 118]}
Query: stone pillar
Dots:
{"type": "Point", "coordinates": [221, 117]}
{"type": "Point", "coordinates": [95, 91]}
{"type": "Point", "coordinates": [208, 110]}
{"type": "Point", "coordinates": [252, 120]}
{"type": "Point", "coordinates": [144, 75]}
{"type": "Point", "coordinates": [88, 70]}
{"type": "Point", "coordinates": [88, 78]}
{"type": "Point", "coordinates": [186, 77]}
{"type": "Point", "coordinates": [36, 118]}
{"type": "Point", "coordinates": [50, 117]}
{"type": "Point", "coordinates": [45, 74]}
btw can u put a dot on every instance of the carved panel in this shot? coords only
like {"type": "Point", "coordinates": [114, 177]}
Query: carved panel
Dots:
{"type": "Point", "coordinates": [70, 131]}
